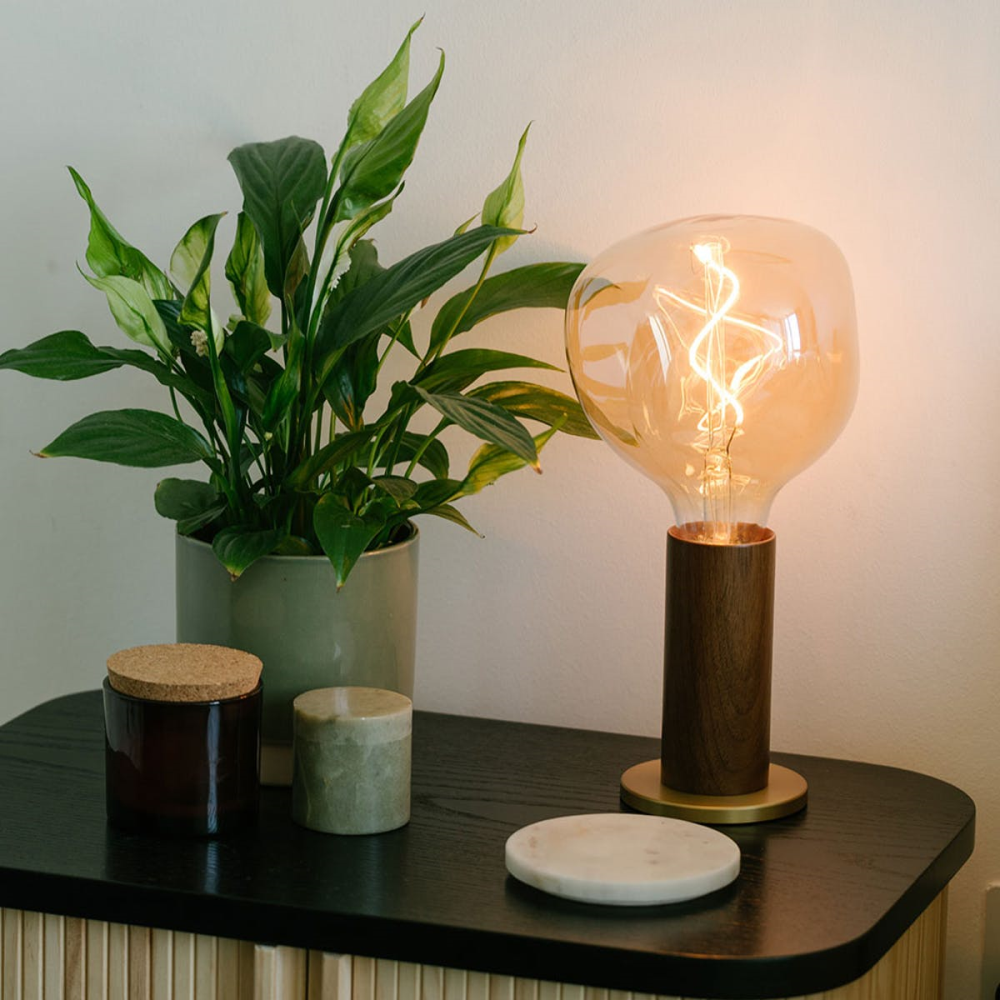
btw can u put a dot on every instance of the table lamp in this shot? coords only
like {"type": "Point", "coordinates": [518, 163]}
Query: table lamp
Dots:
{"type": "Point", "coordinates": [718, 355]}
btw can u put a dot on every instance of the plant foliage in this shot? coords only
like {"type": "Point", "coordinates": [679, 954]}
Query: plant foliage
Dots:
{"type": "Point", "coordinates": [297, 461]}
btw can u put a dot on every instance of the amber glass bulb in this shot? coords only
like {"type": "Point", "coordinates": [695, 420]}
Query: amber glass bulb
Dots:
{"type": "Point", "coordinates": [718, 355]}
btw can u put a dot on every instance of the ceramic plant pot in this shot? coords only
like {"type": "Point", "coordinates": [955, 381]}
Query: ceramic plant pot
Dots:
{"type": "Point", "coordinates": [287, 611]}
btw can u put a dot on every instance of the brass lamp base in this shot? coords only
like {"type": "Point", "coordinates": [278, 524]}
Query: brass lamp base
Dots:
{"type": "Point", "coordinates": [784, 794]}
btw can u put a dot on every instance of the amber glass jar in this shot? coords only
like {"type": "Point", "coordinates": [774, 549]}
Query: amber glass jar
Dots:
{"type": "Point", "coordinates": [180, 767]}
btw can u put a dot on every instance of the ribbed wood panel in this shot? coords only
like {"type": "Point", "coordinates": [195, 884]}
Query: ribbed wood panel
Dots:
{"type": "Point", "coordinates": [75, 951]}
{"type": "Point", "coordinates": [330, 976]}
{"type": "Point", "coordinates": [280, 973]}
{"type": "Point", "coordinates": [47, 957]}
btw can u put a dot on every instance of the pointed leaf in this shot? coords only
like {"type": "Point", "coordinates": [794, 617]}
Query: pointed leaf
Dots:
{"type": "Point", "coordinates": [247, 344]}
{"type": "Point", "coordinates": [193, 257]}
{"type": "Point", "coordinates": [285, 390]}
{"type": "Point", "coordinates": [108, 254]}
{"type": "Point", "coordinates": [238, 548]}
{"type": "Point", "coordinates": [399, 488]}
{"type": "Point", "coordinates": [382, 99]}
{"type": "Point", "coordinates": [66, 356]}
{"type": "Point", "coordinates": [394, 291]}
{"type": "Point", "coordinates": [373, 169]}
{"type": "Point", "coordinates": [454, 515]}
{"type": "Point", "coordinates": [327, 459]}
{"type": "Point", "coordinates": [343, 535]}
{"type": "Point", "coordinates": [434, 457]}
{"type": "Point", "coordinates": [536, 402]}
{"type": "Point", "coordinates": [69, 355]}
{"type": "Point", "coordinates": [533, 286]}
{"type": "Point", "coordinates": [484, 420]}
{"type": "Point", "coordinates": [281, 182]}
{"type": "Point", "coordinates": [185, 261]}
{"type": "Point", "coordinates": [133, 311]}
{"type": "Point", "coordinates": [504, 206]}
{"type": "Point", "coordinates": [141, 438]}
{"type": "Point", "coordinates": [352, 381]}
{"type": "Point", "coordinates": [435, 492]}
{"type": "Point", "coordinates": [190, 503]}
{"type": "Point", "coordinates": [245, 272]}
{"type": "Point", "coordinates": [490, 463]}
{"type": "Point", "coordinates": [453, 372]}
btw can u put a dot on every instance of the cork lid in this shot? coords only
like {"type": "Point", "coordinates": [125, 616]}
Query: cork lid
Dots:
{"type": "Point", "coordinates": [183, 672]}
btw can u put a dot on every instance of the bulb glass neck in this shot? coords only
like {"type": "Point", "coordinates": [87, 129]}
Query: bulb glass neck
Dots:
{"type": "Point", "coordinates": [721, 533]}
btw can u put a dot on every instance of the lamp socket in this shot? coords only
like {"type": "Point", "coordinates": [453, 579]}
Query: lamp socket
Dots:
{"type": "Point", "coordinates": [991, 946]}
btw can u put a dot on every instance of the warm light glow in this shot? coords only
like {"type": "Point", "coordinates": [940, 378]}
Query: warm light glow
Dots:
{"type": "Point", "coordinates": [707, 357]}
{"type": "Point", "coordinates": [718, 355]}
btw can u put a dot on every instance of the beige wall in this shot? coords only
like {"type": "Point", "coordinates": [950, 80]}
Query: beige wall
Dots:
{"type": "Point", "coordinates": [875, 122]}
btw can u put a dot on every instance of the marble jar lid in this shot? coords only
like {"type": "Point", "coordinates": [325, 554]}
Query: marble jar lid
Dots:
{"type": "Point", "coordinates": [361, 714]}
{"type": "Point", "coordinates": [622, 859]}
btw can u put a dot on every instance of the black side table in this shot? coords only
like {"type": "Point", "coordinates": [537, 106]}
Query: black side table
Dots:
{"type": "Point", "coordinates": [845, 897]}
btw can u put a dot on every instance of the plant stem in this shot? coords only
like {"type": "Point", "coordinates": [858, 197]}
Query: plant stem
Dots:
{"type": "Point", "coordinates": [436, 353]}
{"type": "Point", "coordinates": [173, 402]}
{"type": "Point", "coordinates": [419, 453]}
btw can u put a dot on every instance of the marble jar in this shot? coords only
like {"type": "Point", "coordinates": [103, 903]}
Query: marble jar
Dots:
{"type": "Point", "coordinates": [351, 760]}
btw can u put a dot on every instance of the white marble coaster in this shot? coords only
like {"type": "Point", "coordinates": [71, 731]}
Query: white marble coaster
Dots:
{"type": "Point", "coordinates": [621, 859]}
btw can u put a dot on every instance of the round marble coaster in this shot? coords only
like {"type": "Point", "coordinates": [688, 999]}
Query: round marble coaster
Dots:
{"type": "Point", "coordinates": [621, 859]}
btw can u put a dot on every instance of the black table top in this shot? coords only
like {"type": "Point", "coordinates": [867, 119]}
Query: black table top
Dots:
{"type": "Point", "coordinates": [821, 896]}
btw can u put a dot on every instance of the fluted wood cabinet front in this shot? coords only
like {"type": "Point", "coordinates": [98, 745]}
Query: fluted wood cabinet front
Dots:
{"type": "Point", "coordinates": [48, 957]}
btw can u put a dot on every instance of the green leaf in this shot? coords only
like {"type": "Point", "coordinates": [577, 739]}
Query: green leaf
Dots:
{"type": "Point", "coordinates": [374, 169]}
{"type": "Point", "coordinates": [435, 492]}
{"type": "Point", "coordinates": [294, 545]}
{"type": "Point", "coordinates": [190, 503]}
{"type": "Point", "coordinates": [362, 267]}
{"type": "Point", "coordinates": [354, 486]}
{"type": "Point", "coordinates": [298, 268]}
{"type": "Point", "coordinates": [454, 515]}
{"type": "Point", "coordinates": [533, 286]}
{"type": "Point", "coordinates": [399, 488]}
{"type": "Point", "coordinates": [109, 255]}
{"type": "Point", "coordinates": [185, 261]}
{"type": "Point", "coordinates": [193, 257]}
{"type": "Point", "coordinates": [352, 381]}
{"type": "Point", "coordinates": [382, 99]}
{"type": "Point", "coordinates": [406, 339]}
{"type": "Point", "coordinates": [535, 402]}
{"type": "Point", "coordinates": [504, 206]}
{"type": "Point", "coordinates": [281, 182]}
{"type": "Point", "coordinates": [370, 217]}
{"type": "Point", "coordinates": [141, 438]}
{"type": "Point", "coordinates": [238, 548]}
{"type": "Point", "coordinates": [343, 535]}
{"type": "Point", "coordinates": [69, 355]}
{"type": "Point", "coordinates": [285, 389]}
{"type": "Point", "coordinates": [453, 372]}
{"type": "Point", "coordinates": [394, 291]}
{"type": "Point", "coordinates": [485, 420]}
{"type": "Point", "coordinates": [247, 344]}
{"type": "Point", "coordinates": [245, 272]}
{"type": "Point", "coordinates": [327, 459]}
{"type": "Point", "coordinates": [66, 356]}
{"type": "Point", "coordinates": [196, 366]}
{"type": "Point", "coordinates": [490, 463]}
{"type": "Point", "coordinates": [133, 311]}
{"type": "Point", "coordinates": [434, 458]}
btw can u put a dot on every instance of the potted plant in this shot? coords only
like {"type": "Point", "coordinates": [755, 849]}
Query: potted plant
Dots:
{"type": "Point", "coordinates": [304, 471]}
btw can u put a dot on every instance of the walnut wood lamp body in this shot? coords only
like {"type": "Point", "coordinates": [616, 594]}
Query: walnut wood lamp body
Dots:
{"type": "Point", "coordinates": [714, 764]}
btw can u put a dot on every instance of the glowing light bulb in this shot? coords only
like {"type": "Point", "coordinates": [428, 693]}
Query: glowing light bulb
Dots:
{"type": "Point", "coordinates": [718, 355]}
